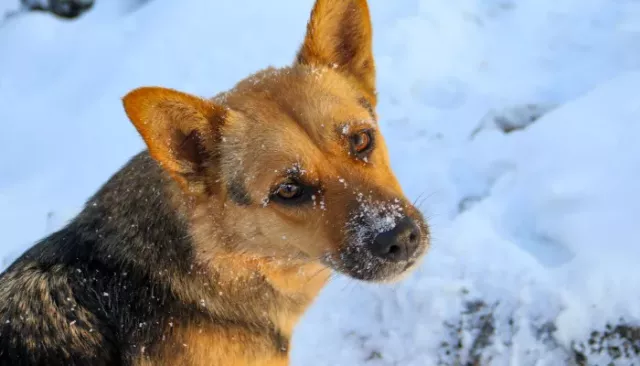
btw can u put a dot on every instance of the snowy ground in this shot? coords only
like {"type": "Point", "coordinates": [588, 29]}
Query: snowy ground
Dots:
{"type": "Point", "coordinates": [534, 243]}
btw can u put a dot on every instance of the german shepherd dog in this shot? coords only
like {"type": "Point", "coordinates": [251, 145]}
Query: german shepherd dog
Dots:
{"type": "Point", "coordinates": [207, 247]}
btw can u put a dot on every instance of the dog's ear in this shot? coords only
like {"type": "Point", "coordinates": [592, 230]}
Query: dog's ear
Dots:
{"type": "Point", "coordinates": [180, 130]}
{"type": "Point", "coordinates": [339, 35]}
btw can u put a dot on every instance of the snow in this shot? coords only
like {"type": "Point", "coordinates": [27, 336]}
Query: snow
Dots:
{"type": "Point", "coordinates": [533, 230]}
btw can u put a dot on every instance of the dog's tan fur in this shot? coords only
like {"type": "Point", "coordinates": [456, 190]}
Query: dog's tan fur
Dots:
{"type": "Point", "coordinates": [240, 269]}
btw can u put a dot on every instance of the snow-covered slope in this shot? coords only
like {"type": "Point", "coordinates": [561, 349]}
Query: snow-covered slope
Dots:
{"type": "Point", "coordinates": [534, 246]}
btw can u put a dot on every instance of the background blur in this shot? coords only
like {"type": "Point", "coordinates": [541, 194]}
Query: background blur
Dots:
{"type": "Point", "coordinates": [515, 123]}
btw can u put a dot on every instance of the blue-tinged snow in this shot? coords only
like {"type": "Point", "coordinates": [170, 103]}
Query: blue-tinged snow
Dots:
{"type": "Point", "coordinates": [539, 224]}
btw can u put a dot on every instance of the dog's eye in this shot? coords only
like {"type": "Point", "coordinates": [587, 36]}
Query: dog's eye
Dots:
{"type": "Point", "coordinates": [292, 192]}
{"type": "Point", "coordinates": [288, 190]}
{"type": "Point", "coordinates": [361, 142]}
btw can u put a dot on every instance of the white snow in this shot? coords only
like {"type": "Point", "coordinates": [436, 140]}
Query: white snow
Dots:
{"type": "Point", "coordinates": [537, 224]}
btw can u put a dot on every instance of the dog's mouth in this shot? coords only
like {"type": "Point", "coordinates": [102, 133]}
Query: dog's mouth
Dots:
{"type": "Point", "coordinates": [359, 263]}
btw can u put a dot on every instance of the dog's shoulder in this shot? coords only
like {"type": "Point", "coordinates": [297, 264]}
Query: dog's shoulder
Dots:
{"type": "Point", "coordinates": [80, 294]}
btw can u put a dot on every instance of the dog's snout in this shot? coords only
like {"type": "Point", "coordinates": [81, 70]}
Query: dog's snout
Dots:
{"type": "Point", "coordinates": [399, 243]}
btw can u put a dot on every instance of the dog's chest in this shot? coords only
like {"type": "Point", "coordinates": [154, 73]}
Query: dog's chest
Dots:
{"type": "Point", "coordinates": [211, 345]}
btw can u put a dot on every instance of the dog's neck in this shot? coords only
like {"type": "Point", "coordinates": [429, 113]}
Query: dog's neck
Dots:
{"type": "Point", "coordinates": [269, 292]}
{"type": "Point", "coordinates": [273, 288]}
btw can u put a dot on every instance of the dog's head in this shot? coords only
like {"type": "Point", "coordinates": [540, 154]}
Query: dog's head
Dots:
{"type": "Point", "coordinates": [291, 163]}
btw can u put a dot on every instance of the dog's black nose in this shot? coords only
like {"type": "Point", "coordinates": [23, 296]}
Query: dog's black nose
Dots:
{"type": "Point", "coordinates": [399, 243]}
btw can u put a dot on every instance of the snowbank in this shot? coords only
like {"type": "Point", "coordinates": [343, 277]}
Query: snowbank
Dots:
{"type": "Point", "coordinates": [533, 229]}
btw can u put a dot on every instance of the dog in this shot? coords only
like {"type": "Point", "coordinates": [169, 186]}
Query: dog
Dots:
{"type": "Point", "coordinates": [207, 247]}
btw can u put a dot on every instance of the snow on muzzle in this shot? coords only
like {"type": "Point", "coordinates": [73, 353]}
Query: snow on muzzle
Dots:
{"type": "Point", "coordinates": [382, 240]}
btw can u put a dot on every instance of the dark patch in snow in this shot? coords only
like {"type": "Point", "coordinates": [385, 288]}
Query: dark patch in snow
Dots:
{"type": "Point", "coordinates": [363, 342]}
{"type": "Point", "coordinates": [620, 343]}
{"type": "Point", "coordinates": [481, 330]}
{"type": "Point", "coordinates": [134, 5]}
{"type": "Point", "coordinates": [67, 9]}
{"type": "Point", "coordinates": [477, 320]}
{"type": "Point", "coordinates": [467, 202]}
{"type": "Point", "coordinates": [375, 355]}
{"type": "Point", "coordinates": [512, 119]}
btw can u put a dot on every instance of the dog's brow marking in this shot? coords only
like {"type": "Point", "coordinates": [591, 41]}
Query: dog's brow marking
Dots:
{"type": "Point", "coordinates": [238, 192]}
{"type": "Point", "coordinates": [365, 103]}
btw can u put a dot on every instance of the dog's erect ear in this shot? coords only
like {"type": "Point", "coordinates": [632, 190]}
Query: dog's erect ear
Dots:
{"type": "Point", "coordinates": [339, 35]}
{"type": "Point", "coordinates": [180, 130]}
